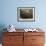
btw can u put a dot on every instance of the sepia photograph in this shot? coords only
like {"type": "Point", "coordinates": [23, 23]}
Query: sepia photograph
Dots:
{"type": "Point", "coordinates": [26, 14]}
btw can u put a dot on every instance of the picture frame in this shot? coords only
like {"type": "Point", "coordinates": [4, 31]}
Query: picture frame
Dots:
{"type": "Point", "coordinates": [26, 14]}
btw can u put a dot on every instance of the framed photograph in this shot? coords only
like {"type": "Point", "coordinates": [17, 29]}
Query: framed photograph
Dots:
{"type": "Point", "coordinates": [25, 14]}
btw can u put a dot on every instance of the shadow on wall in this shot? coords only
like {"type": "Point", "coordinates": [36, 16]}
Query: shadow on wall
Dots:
{"type": "Point", "coordinates": [2, 26]}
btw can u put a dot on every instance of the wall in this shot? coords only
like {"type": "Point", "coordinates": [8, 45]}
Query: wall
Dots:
{"type": "Point", "coordinates": [9, 13]}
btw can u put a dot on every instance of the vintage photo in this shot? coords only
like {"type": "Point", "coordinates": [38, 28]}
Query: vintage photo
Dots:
{"type": "Point", "coordinates": [26, 14]}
